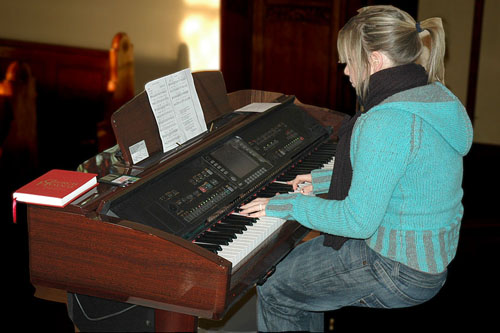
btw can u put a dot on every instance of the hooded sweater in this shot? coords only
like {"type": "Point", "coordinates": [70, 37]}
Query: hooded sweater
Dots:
{"type": "Point", "coordinates": [382, 84]}
{"type": "Point", "coordinates": [405, 197]}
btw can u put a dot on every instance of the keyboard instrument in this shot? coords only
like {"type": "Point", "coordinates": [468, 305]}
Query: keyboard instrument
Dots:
{"type": "Point", "coordinates": [174, 240]}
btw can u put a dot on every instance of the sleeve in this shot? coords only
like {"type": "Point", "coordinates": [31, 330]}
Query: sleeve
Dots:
{"type": "Point", "coordinates": [380, 147]}
{"type": "Point", "coordinates": [321, 181]}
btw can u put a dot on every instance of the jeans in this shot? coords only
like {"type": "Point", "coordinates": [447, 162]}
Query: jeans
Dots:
{"type": "Point", "coordinates": [314, 278]}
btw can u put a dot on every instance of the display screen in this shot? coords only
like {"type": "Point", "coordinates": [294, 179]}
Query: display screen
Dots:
{"type": "Point", "coordinates": [234, 160]}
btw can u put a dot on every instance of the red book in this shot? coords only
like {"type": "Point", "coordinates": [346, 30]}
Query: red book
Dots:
{"type": "Point", "coordinates": [55, 188]}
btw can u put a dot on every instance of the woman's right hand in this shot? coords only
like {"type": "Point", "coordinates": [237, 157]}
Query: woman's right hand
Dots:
{"type": "Point", "coordinates": [299, 179]}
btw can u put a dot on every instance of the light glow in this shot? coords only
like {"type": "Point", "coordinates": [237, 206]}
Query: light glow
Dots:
{"type": "Point", "coordinates": [200, 30]}
{"type": "Point", "coordinates": [204, 3]}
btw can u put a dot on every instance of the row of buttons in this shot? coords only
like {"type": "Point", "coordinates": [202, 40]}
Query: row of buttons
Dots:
{"type": "Point", "coordinates": [200, 176]}
{"type": "Point", "coordinates": [294, 143]}
{"type": "Point", "coordinates": [270, 133]}
{"type": "Point", "coordinates": [208, 203]}
{"type": "Point", "coordinates": [255, 175]}
{"type": "Point", "coordinates": [219, 167]}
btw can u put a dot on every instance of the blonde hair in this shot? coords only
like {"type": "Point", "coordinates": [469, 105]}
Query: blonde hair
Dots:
{"type": "Point", "coordinates": [394, 32]}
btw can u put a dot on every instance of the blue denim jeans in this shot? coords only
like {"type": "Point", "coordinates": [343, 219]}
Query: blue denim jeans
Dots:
{"type": "Point", "coordinates": [314, 278]}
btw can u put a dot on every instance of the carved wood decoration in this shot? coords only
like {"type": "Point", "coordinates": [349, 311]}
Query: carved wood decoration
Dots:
{"type": "Point", "coordinates": [301, 31]}
{"type": "Point", "coordinates": [290, 46]}
{"type": "Point", "coordinates": [120, 85]}
{"type": "Point", "coordinates": [292, 49]}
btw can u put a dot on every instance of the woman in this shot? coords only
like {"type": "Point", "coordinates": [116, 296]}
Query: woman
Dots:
{"type": "Point", "coordinates": [395, 193]}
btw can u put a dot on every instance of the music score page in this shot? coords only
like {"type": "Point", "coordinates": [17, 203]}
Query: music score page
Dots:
{"type": "Point", "coordinates": [176, 108]}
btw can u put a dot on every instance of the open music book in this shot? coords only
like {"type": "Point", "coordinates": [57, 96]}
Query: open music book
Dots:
{"type": "Point", "coordinates": [176, 108]}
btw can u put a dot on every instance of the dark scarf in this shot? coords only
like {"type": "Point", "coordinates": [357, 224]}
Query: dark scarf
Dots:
{"type": "Point", "coordinates": [383, 84]}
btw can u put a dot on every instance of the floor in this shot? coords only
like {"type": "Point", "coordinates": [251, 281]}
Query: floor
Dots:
{"type": "Point", "coordinates": [468, 300]}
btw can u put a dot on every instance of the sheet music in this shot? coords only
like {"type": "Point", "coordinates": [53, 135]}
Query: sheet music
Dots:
{"type": "Point", "coordinates": [138, 151]}
{"type": "Point", "coordinates": [256, 107]}
{"type": "Point", "coordinates": [176, 108]}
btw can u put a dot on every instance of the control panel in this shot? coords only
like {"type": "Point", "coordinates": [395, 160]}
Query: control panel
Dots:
{"type": "Point", "coordinates": [180, 199]}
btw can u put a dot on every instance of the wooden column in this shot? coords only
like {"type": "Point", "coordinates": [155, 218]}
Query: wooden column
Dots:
{"type": "Point", "coordinates": [475, 48]}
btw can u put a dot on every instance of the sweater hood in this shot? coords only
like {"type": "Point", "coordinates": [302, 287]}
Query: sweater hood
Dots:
{"type": "Point", "coordinates": [437, 106]}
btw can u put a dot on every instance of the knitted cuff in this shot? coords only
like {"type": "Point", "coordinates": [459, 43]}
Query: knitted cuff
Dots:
{"type": "Point", "coordinates": [321, 181]}
{"type": "Point", "coordinates": [281, 206]}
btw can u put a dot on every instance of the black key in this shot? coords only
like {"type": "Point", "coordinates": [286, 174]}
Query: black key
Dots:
{"type": "Point", "coordinates": [213, 240]}
{"type": "Point", "coordinates": [227, 227]}
{"type": "Point", "coordinates": [211, 247]}
{"type": "Point", "coordinates": [236, 219]}
{"type": "Point", "coordinates": [220, 233]}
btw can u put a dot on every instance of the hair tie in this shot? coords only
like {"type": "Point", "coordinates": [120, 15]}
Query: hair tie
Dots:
{"type": "Point", "coordinates": [419, 28]}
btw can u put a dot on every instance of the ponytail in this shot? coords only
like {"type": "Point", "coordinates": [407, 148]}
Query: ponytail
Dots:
{"type": "Point", "coordinates": [432, 57]}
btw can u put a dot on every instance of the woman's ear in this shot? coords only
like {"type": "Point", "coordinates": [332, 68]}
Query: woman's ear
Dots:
{"type": "Point", "coordinates": [378, 61]}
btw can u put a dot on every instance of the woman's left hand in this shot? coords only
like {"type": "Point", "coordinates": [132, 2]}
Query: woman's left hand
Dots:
{"type": "Point", "coordinates": [255, 208]}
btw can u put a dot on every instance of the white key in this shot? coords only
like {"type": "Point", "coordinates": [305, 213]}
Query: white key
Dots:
{"type": "Point", "coordinates": [250, 239]}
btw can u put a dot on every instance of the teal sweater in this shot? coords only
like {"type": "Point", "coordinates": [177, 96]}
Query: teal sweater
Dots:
{"type": "Point", "coordinates": [406, 191]}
